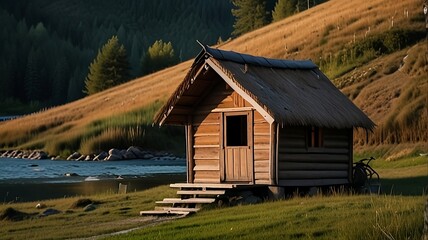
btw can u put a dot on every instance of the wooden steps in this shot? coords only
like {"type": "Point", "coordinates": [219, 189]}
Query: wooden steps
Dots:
{"type": "Point", "coordinates": [191, 198]}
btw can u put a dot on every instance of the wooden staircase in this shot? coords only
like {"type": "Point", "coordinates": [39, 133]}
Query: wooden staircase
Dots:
{"type": "Point", "coordinates": [190, 200]}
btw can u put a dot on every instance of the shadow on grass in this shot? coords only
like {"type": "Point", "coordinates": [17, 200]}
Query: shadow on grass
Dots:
{"type": "Point", "coordinates": [411, 186]}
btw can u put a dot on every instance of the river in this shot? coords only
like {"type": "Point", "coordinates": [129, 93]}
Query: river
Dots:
{"type": "Point", "coordinates": [31, 180]}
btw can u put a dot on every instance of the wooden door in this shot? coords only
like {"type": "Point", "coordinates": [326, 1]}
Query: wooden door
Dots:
{"type": "Point", "coordinates": [237, 145]}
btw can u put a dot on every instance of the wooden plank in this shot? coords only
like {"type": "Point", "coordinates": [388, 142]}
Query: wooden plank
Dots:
{"type": "Point", "coordinates": [207, 162]}
{"type": "Point", "coordinates": [207, 146]}
{"type": "Point", "coordinates": [206, 118]}
{"type": "Point", "coordinates": [207, 186]}
{"type": "Point", "coordinates": [260, 128]}
{"type": "Point", "coordinates": [187, 200]}
{"type": "Point", "coordinates": [262, 139]}
{"type": "Point", "coordinates": [336, 144]}
{"type": "Point", "coordinates": [261, 164]}
{"type": "Point", "coordinates": [207, 180]}
{"type": "Point", "coordinates": [177, 209]}
{"type": "Point", "coordinates": [201, 192]}
{"type": "Point", "coordinates": [206, 153]}
{"type": "Point", "coordinates": [286, 151]}
{"type": "Point", "coordinates": [314, 157]}
{"type": "Point", "coordinates": [163, 213]}
{"type": "Point", "coordinates": [262, 169]}
{"type": "Point", "coordinates": [207, 128]}
{"type": "Point", "coordinates": [206, 168]}
{"type": "Point", "coordinates": [207, 174]}
{"type": "Point", "coordinates": [262, 176]}
{"type": "Point", "coordinates": [232, 109]}
{"type": "Point", "coordinates": [262, 147]}
{"type": "Point", "coordinates": [313, 166]}
{"type": "Point", "coordinates": [312, 182]}
{"type": "Point", "coordinates": [301, 174]}
{"type": "Point", "coordinates": [261, 154]}
{"type": "Point", "coordinates": [206, 140]}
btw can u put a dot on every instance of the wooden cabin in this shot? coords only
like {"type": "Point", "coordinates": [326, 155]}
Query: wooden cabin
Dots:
{"type": "Point", "coordinates": [258, 121]}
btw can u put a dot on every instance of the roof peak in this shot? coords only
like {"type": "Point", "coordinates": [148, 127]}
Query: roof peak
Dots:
{"type": "Point", "coordinates": [257, 60]}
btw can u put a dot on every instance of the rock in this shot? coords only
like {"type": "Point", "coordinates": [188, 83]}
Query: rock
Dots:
{"type": "Point", "coordinates": [114, 157]}
{"type": "Point", "coordinates": [43, 155]}
{"type": "Point", "coordinates": [136, 151]}
{"type": "Point", "coordinates": [129, 155]}
{"type": "Point", "coordinates": [41, 205]}
{"type": "Point", "coordinates": [114, 151]}
{"type": "Point", "coordinates": [71, 174]}
{"type": "Point", "coordinates": [89, 157]}
{"type": "Point", "coordinates": [90, 207]}
{"type": "Point", "coordinates": [74, 156]}
{"type": "Point", "coordinates": [81, 158]}
{"type": "Point", "coordinates": [147, 156]}
{"type": "Point", "coordinates": [100, 157]}
{"type": "Point", "coordinates": [50, 211]}
{"type": "Point", "coordinates": [82, 202]}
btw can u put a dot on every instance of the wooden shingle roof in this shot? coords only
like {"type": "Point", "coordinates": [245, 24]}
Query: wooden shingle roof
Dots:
{"type": "Point", "coordinates": [293, 93]}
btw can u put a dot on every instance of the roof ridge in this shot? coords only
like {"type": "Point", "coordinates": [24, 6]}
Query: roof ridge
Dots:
{"type": "Point", "coordinates": [257, 60]}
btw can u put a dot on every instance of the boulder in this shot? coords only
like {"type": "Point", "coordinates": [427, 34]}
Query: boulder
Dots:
{"type": "Point", "coordinates": [74, 156]}
{"type": "Point", "coordinates": [100, 157]}
{"type": "Point", "coordinates": [71, 174]}
{"type": "Point", "coordinates": [89, 157]}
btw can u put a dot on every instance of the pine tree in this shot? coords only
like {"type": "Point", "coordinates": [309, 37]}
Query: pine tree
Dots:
{"type": "Point", "coordinates": [283, 9]}
{"type": "Point", "coordinates": [249, 15]}
{"type": "Point", "coordinates": [32, 79]}
{"type": "Point", "coordinates": [159, 56]}
{"type": "Point", "coordinates": [109, 68]}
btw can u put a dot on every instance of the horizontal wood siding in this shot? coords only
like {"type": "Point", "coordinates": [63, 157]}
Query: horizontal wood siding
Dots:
{"type": "Point", "coordinates": [261, 130]}
{"type": "Point", "coordinates": [303, 166]}
{"type": "Point", "coordinates": [206, 134]}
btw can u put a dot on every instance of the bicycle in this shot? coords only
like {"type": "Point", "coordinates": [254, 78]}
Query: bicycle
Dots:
{"type": "Point", "coordinates": [365, 178]}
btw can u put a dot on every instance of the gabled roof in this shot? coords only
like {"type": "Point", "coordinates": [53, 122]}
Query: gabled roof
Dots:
{"type": "Point", "coordinates": [294, 93]}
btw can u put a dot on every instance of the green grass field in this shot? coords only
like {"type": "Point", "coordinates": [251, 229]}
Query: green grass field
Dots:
{"type": "Point", "coordinates": [395, 214]}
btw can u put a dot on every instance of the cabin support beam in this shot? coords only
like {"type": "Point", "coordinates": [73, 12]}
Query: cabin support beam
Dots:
{"type": "Point", "coordinates": [189, 151]}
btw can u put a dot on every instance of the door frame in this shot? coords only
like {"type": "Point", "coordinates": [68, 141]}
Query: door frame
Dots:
{"type": "Point", "coordinates": [250, 142]}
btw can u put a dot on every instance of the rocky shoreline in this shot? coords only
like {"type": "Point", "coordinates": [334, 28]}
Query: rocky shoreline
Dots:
{"type": "Point", "coordinates": [113, 154]}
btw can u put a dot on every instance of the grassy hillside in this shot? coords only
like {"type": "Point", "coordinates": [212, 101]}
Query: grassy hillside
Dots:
{"type": "Point", "coordinates": [397, 214]}
{"type": "Point", "coordinates": [362, 46]}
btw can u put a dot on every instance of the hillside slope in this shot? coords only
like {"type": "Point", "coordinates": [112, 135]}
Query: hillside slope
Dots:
{"type": "Point", "coordinates": [330, 34]}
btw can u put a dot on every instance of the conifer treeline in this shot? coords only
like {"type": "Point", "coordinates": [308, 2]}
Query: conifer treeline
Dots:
{"type": "Point", "coordinates": [46, 46]}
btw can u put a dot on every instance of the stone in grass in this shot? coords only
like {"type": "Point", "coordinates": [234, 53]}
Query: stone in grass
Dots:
{"type": "Point", "coordinates": [49, 211]}
{"type": "Point", "coordinates": [90, 207]}
{"type": "Point", "coordinates": [41, 206]}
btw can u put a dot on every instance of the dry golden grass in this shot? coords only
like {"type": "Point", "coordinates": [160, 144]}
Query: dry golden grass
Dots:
{"type": "Point", "coordinates": [317, 33]}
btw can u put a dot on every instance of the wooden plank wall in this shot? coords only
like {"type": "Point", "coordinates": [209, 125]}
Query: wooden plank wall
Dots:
{"type": "Point", "coordinates": [262, 143]}
{"type": "Point", "coordinates": [206, 138]}
{"type": "Point", "coordinates": [302, 166]}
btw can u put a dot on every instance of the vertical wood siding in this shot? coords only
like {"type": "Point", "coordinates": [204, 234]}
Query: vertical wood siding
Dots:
{"type": "Point", "coordinates": [303, 166]}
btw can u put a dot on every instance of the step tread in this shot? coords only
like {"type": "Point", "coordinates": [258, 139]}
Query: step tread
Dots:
{"type": "Point", "coordinates": [201, 192]}
{"type": "Point", "coordinates": [163, 212]}
{"type": "Point", "coordinates": [188, 200]}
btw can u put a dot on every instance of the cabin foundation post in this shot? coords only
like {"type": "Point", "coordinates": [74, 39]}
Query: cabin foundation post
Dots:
{"type": "Point", "coordinates": [276, 192]}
